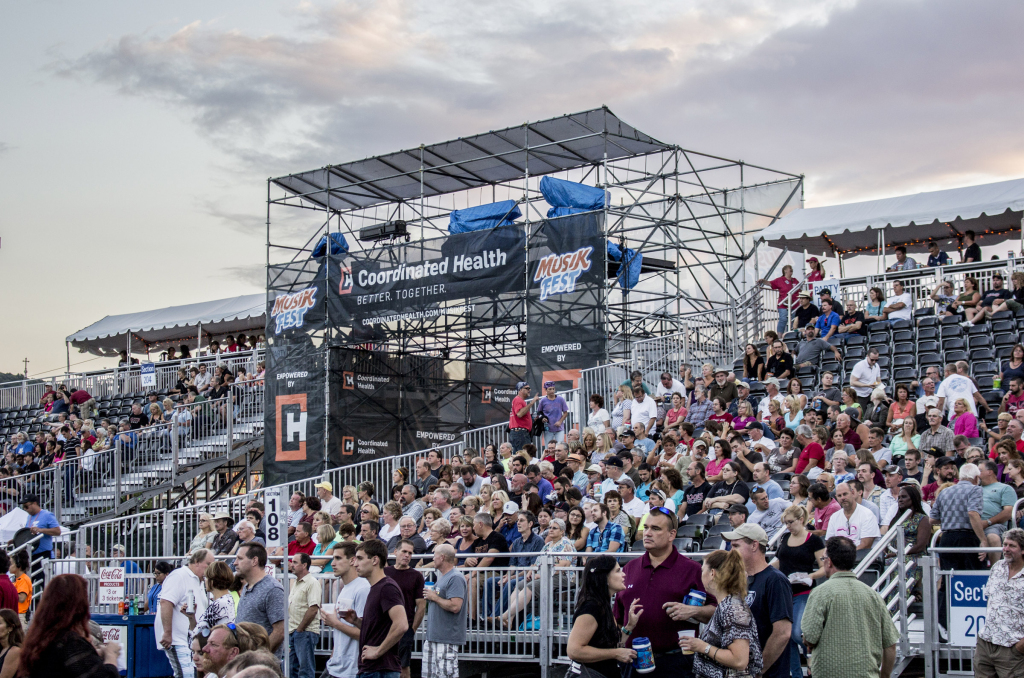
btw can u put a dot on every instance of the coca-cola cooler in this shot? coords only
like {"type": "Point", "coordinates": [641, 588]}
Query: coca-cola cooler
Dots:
{"type": "Point", "coordinates": [140, 657]}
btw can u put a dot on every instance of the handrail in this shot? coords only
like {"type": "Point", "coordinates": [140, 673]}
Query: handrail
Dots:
{"type": "Point", "coordinates": [879, 547]}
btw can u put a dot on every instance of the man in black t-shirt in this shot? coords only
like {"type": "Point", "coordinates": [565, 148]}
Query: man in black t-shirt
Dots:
{"type": "Point", "coordinates": [384, 620]}
{"type": "Point", "coordinates": [972, 251]}
{"type": "Point", "coordinates": [697, 491]}
{"type": "Point", "coordinates": [852, 322]}
{"type": "Point", "coordinates": [411, 583]}
{"type": "Point", "coordinates": [806, 312]}
{"type": "Point", "coordinates": [137, 419]}
{"type": "Point", "coordinates": [728, 491]}
{"type": "Point", "coordinates": [780, 365]}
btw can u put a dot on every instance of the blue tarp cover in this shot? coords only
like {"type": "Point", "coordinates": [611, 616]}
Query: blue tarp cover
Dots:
{"type": "Point", "coordinates": [629, 271]}
{"type": "Point", "coordinates": [562, 193]}
{"type": "Point", "coordinates": [482, 217]}
{"type": "Point", "coordinates": [338, 246]}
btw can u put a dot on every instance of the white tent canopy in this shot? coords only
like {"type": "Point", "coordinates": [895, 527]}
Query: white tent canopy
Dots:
{"type": "Point", "coordinates": [150, 330]}
{"type": "Point", "coordinates": [993, 211]}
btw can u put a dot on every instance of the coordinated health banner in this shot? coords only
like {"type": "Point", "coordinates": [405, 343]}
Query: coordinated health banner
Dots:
{"type": "Point", "coordinates": [411, 281]}
{"type": "Point", "coordinates": [294, 435]}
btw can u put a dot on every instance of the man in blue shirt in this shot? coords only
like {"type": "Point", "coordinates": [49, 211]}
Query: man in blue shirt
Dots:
{"type": "Point", "coordinates": [936, 257]}
{"type": "Point", "coordinates": [763, 481]}
{"type": "Point", "coordinates": [41, 521]}
{"type": "Point", "coordinates": [828, 322]}
{"type": "Point", "coordinates": [606, 537]}
{"type": "Point", "coordinates": [544, 487]}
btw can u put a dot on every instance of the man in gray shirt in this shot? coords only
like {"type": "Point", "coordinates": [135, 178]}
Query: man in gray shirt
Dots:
{"type": "Point", "coordinates": [446, 618]}
{"type": "Point", "coordinates": [262, 600]}
{"type": "Point", "coordinates": [810, 349]}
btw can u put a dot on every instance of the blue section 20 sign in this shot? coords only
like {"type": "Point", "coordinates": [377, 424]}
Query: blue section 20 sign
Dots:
{"type": "Point", "coordinates": [967, 604]}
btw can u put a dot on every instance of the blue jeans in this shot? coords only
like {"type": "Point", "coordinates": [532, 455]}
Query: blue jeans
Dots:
{"type": "Point", "coordinates": [302, 657]}
{"type": "Point", "coordinates": [796, 637]}
{"type": "Point", "coordinates": [783, 325]}
{"type": "Point", "coordinates": [488, 606]}
{"type": "Point", "coordinates": [180, 658]}
{"type": "Point", "coordinates": [518, 439]}
{"type": "Point", "coordinates": [557, 436]}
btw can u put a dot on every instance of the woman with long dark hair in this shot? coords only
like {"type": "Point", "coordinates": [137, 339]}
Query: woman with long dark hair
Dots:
{"type": "Point", "coordinates": [576, 529]}
{"type": "Point", "coordinates": [753, 363]}
{"type": "Point", "coordinates": [11, 639]}
{"type": "Point", "coordinates": [596, 640]}
{"type": "Point", "coordinates": [917, 531]}
{"type": "Point", "coordinates": [58, 641]}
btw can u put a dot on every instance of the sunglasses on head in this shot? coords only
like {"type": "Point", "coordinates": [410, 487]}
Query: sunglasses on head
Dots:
{"type": "Point", "coordinates": [234, 631]}
{"type": "Point", "coordinates": [662, 509]}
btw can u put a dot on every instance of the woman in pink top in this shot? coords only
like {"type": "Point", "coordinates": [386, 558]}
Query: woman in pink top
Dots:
{"type": "Point", "coordinates": [817, 272]}
{"type": "Point", "coordinates": [964, 421]}
{"type": "Point", "coordinates": [723, 454]}
{"type": "Point", "coordinates": [674, 415]}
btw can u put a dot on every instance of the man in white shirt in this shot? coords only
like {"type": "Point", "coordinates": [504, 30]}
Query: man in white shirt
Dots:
{"type": "Point", "coordinates": [182, 588]}
{"type": "Point", "coordinates": [771, 385]}
{"type": "Point", "coordinates": [953, 387]}
{"type": "Point", "coordinates": [888, 502]}
{"type": "Point", "coordinates": [865, 377]}
{"type": "Point", "coordinates": [882, 454]}
{"type": "Point", "coordinates": [630, 504]}
{"type": "Point", "coordinates": [645, 411]}
{"type": "Point", "coordinates": [666, 387]}
{"type": "Point", "coordinates": [929, 399]}
{"type": "Point", "coordinates": [853, 521]}
{"type": "Point", "coordinates": [344, 661]}
{"type": "Point", "coordinates": [328, 502]}
{"type": "Point", "coordinates": [901, 306]}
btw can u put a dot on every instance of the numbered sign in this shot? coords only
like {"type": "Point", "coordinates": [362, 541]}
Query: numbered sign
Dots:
{"type": "Point", "coordinates": [148, 374]}
{"type": "Point", "coordinates": [277, 518]}
{"type": "Point", "coordinates": [967, 603]}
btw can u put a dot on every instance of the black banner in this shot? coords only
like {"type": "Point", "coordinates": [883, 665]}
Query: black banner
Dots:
{"type": "Point", "coordinates": [294, 435]}
{"type": "Point", "coordinates": [410, 281]}
{"type": "Point", "coordinates": [491, 390]}
{"type": "Point", "coordinates": [564, 302]}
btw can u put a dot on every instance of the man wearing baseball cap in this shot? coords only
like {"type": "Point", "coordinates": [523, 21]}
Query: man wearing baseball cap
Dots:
{"type": "Point", "coordinates": [805, 312]}
{"type": "Point", "coordinates": [520, 421]}
{"type": "Point", "coordinates": [943, 470]}
{"type": "Point", "coordinates": [576, 465]}
{"type": "Point", "coordinates": [888, 503]}
{"type": "Point", "coordinates": [328, 502]}
{"type": "Point", "coordinates": [613, 469]}
{"type": "Point", "coordinates": [555, 409]}
{"type": "Point", "coordinates": [770, 597]}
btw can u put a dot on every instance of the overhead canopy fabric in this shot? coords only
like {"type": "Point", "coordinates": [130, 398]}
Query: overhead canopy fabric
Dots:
{"type": "Point", "coordinates": [169, 326]}
{"type": "Point", "coordinates": [552, 145]}
{"type": "Point", "coordinates": [993, 211]}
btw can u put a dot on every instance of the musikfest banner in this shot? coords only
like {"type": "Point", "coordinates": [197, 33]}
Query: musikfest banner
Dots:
{"type": "Point", "coordinates": [565, 329]}
{"type": "Point", "coordinates": [411, 281]}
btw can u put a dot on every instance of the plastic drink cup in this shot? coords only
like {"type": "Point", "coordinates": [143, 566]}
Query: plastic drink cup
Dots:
{"type": "Point", "coordinates": [328, 607]}
{"type": "Point", "coordinates": [644, 662]}
{"type": "Point", "coordinates": [429, 586]}
{"type": "Point", "coordinates": [345, 604]}
{"type": "Point", "coordinates": [997, 382]}
{"type": "Point", "coordinates": [687, 633]}
{"type": "Point", "coordinates": [695, 598]}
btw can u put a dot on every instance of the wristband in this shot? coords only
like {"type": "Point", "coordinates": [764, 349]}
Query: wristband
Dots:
{"type": "Point", "coordinates": [627, 631]}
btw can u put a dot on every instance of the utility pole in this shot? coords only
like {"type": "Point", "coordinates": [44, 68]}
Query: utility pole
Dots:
{"type": "Point", "coordinates": [26, 367]}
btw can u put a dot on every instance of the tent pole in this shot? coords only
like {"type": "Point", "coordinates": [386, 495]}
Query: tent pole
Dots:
{"type": "Point", "coordinates": [67, 346]}
{"type": "Point", "coordinates": [199, 340]}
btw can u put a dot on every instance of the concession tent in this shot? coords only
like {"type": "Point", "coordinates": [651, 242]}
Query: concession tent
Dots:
{"type": "Point", "coordinates": [151, 330]}
{"type": "Point", "coordinates": [992, 211]}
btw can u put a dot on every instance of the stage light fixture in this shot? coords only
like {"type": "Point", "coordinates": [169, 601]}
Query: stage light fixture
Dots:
{"type": "Point", "coordinates": [388, 230]}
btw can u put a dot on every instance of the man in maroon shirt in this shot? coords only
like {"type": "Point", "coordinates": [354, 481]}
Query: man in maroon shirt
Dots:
{"type": "Point", "coordinates": [947, 472]}
{"type": "Point", "coordinates": [824, 506]}
{"type": "Point", "coordinates": [303, 540]}
{"type": "Point", "coordinates": [8, 594]}
{"type": "Point", "coordinates": [660, 580]}
{"type": "Point", "coordinates": [850, 437]}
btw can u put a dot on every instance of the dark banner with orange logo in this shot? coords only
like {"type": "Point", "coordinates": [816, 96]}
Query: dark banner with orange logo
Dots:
{"type": "Point", "coordinates": [565, 328]}
{"type": "Point", "coordinates": [294, 435]}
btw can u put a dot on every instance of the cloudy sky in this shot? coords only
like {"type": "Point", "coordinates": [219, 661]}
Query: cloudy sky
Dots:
{"type": "Point", "coordinates": [136, 138]}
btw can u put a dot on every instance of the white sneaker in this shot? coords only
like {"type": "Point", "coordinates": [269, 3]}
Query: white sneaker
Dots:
{"type": "Point", "coordinates": [942, 633]}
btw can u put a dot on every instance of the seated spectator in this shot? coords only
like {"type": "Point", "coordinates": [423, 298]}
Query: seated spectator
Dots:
{"type": "Point", "coordinates": [874, 310]}
{"type": "Point", "coordinates": [840, 466]}
{"type": "Point", "coordinates": [775, 420]}
{"type": "Point", "coordinates": [878, 408]}
{"type": "Point", "coordinates": [901, 305]}
{"type": "Point", "coordinates": [906, 438]}
{"type": "Point", "coordinates": [728, 491]}
{"type": "Point", "coordinates": [936, 435]}
{"type": "Point", "coordinates": [852, 322]}
{"type": "Point", "coordinates": [810, 349]}
{"type": "Point", "coordinates": [723, 387]}
{"type": "Point", "coordinates": [965, 423]}
{"type": "Point", "coordinates": [720, 413]}
{"type": "Point", "coordinates": [998, 293]}
{"type": "Point", "coordinates": [753, 364]}
{"type": "Point", "coordinates": [903, 262]}
{"type": "Point", "coordinates": [1015, 303]}
{"type": "Point", "coordinates": [937, 257]}
{"type": "Point", "coordinates": [745, 419]}
{"type": "Point", "coordinates": [900, 409]}
{"type": "Point", "coordinates": [794, 414]}
{"type": "Point", "coordinates": [944, 298]}
{"type": "Point", "coordinates": [967, 302]}
{"type": "Point", "coordinates": [850, 402]}
{"type": "Point", "coordinates": [780, 364]}
{"type": "Point", "coordinates": [828, 322]}
{"type": "Point", "coordinates": [805, 312]}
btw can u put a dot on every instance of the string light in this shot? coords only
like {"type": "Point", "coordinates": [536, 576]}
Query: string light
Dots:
{"type": "Point", "coordinates": [959, 236]}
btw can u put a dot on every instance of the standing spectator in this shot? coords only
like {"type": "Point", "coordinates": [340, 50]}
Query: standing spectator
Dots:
{"type": "Point", "coordinates": [901, 305]}
{"type": "Point", "coordinates": [799, 557]}
{"type": "Point", "coordinates": [865, 377]}
{"type": "Point", "coordinates": [182, 592]}
{"type": "Point", "coordinates": [729, 645]}
{"type": "Point", "coordinates": [555, 409]}
{"type": "Point", "coordinates": [226, 538]}
{"type": "Point", "coordinates": [221, 608]}
{"type": "Point", "coordinates": [854, 521]}
{"type": "Point", "coordinates": [410, 582]}
{"type": "Point", "coordinates": [345, 654]}
{"type": "Point", "coordinates": [520, 422]}
{"type": "Point", "coordinates": [22, 583]}
{"type": "Point", "coordinates": [384, 619]}
{"type": "Point", "coordinates": [815, 270]}
{"type": "Point", "coordinates": [644, 412]}
{"type": "Point", "coordinates": [262, 602]}
{"type": "Point", "coordinates": [998, 500]}
{"type": "Point", "coordinates": [784, 285]}
{"type": "Point", "coordinates": [772, 604]}
{"type": "Point", "coordinates": [659, 580]}
{"type": "Point", "coordinates": [936, 257]}
{"type": "Point", "coordinates": [40, 521]}
{"type": "Point", "coordinates": [903, 262]}
{"type": "Point", "coordinates": [1000, 648]}
{"type": "Point", "coordinates": [958, 510]}
{"type": "Point", "coordinates": [57, 643]}
{"type": "Point", "coordinates": [595, 640]}
{"type": "Point", "coordinates": [845, 613]}
{"type": "Point", "coordinates": [303, 617]}
{"type": "Point", "coordinates": [8, 594]}
{"type": "Point", "coordinates": [599, 418]}
{"type": "Point", "coordinates": [971, 250]}
{"type": "Point", "coordinates": [446, 625]}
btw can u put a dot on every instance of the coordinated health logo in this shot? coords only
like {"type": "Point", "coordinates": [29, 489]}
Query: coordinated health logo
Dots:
{"type": "Point", "coordinates": [290, 309]}
{"type": "Point", "coordinates": [558, 273]}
